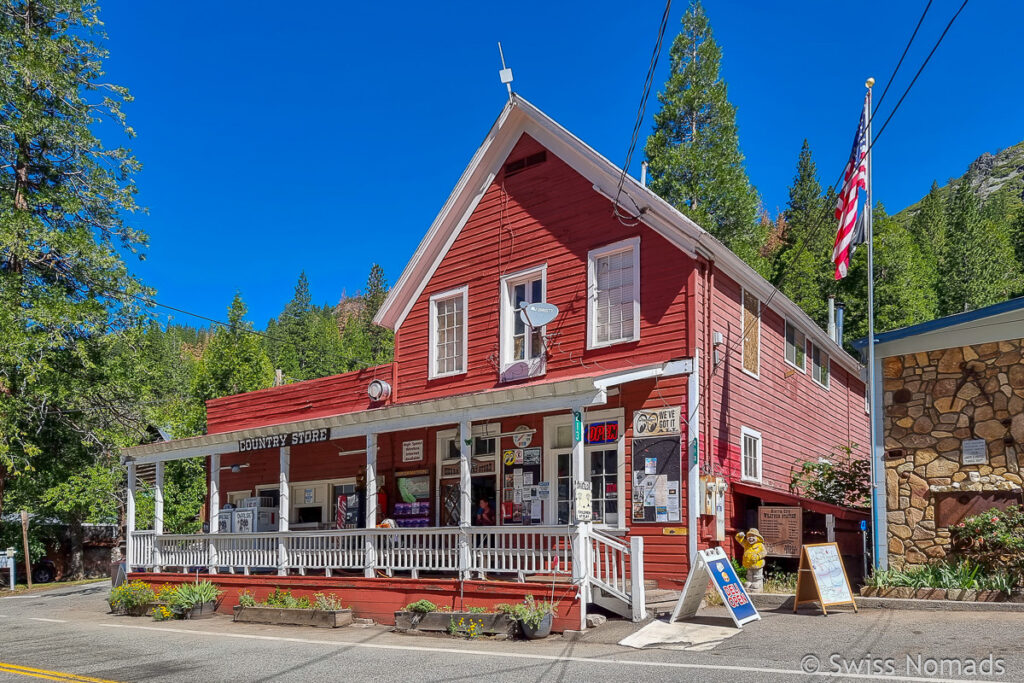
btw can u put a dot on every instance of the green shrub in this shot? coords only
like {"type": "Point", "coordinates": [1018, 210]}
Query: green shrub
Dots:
{"type": "Point", "coordinates": [130, 596]}
{"type": "Point", "coordinates": [530, 612]}
{"type": "Point", "coordinates": [477, 610]}
{"type": "Point", "coordinates": [246, 599]}
{"type": "Point", "coordinates": [994, 541]}
{"type": "Point", "coordinates": [189, 595]}
{"type": "Point", "coordinates": [327, 603]}
{"type": "Point", "coordinates": [422, 606]}
{"type": "Point", "coordinates": [957, 573]}
{"type": "Point", "coordinates": [283, 599]}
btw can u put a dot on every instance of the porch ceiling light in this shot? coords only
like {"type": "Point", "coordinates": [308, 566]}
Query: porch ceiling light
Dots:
{"type": "Point", "coordinates": [235, 469]}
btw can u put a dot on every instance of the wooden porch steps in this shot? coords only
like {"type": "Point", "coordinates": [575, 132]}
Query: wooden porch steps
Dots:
{"type": "Point", "coordinates": [661, 602]}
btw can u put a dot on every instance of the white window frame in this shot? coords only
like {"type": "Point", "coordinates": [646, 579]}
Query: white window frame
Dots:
{"type": "Point", "coordinates": [827, 384]}
{"type": "Point", "coordinates": [743, 332]}
{"type": "Point", "coordinates": [550, 462]}
{"type": "Point", "coordinates": [432, 346]}
{"type": "Point", "coordinates": [235, 497]}
{"type": "Point", "coordinates": [592, 256]}
{"type": "Point", "coordinates": [536, 366]}
{"type": "Point", "coordinates": [785, 345]}
{"type": "Point", "coordinates": [744, 433]}
{"type": "Point", "coordinates": [326, 487]}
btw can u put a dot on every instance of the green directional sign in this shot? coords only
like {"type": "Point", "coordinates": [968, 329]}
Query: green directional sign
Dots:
{"type": "Point", "coordinates": [694, 451]}
{"type": "Point", "coordinates": [577, 425]}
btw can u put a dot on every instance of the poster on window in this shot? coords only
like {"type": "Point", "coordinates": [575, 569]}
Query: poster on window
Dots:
{"type": "Point", "coordinates": [657, 476]}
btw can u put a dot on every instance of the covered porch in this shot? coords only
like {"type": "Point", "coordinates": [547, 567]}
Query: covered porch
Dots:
{"type": "Point", "coordinates": [585, 564]}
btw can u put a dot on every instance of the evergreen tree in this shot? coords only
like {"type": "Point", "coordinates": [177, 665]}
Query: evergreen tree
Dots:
{"type": "Point", "coordinates": [304, 341]}
{"type": "Point", "coordinates": [976, 266]}
{"type": "Point", "coordinates": [234, 361]}
{"type": "Point", "coordinates": [694, 157]}
{"type": "Point", "coordinates": [802, 265]}
{"type": "Point", "coordinates": [903, 292]}
{"type": "Point", "coordinates": [366, 343]}
{"type": "Point", "coordinates": [64, 198]}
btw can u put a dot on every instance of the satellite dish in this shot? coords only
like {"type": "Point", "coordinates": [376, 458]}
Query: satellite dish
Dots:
{"type": "Point", "coordinates": [538, 314]}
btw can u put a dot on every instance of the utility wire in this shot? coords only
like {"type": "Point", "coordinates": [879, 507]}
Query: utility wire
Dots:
{"type": "Point", "coordinates": [892, 76]}
{"type": "Point", "coordinates": [814, 232]}
{"type": "Point", "coordinates": [624, 218]}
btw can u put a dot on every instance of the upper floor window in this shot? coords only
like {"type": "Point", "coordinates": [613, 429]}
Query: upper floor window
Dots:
{"type": "Point", "coordinates": [613, 284]}
{"type": "Point", "coordinates": [751, 321]}
{"type": "Point", "coordinates": [522, 346]}
{"type": "Point", "coordinates": [796, 347]}
{"type": "Point", "coordinates": [751, 465]}
{"type": "Point", "coordinates": [448, 333]}
{"type": "Point", "coordinates": [820, 362]}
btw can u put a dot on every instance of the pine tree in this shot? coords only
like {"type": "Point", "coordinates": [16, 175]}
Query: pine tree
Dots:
{"type": "Point", "coordinates": [802, 265]}
{"type": "Point", "coordinates": [976, 266]}
{"type": "Point", "coordinates": [64, 200]}
{"type": "Point", "coordinates": [903, 292]}
{"type": "Point", "coordinates": [694, 158]}
{"type": "Point", "coordinates": [234, 361]}
{"type": "Point", "coordinates": [366, 343]}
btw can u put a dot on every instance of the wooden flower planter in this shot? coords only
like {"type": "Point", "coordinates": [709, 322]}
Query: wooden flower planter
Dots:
{"type": "Point", "coordinates": [490, 623]}
{"type": "Point", "coordinates": [202, 611]}
{"type": "Point", "coordinates": [276, 616]}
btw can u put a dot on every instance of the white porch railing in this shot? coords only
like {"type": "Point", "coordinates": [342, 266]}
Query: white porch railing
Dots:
{"type": "Point", "coordinates": [599, 561]}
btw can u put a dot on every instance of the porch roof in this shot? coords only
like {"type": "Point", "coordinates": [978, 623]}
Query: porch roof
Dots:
{"type": "Point", "coordinates": [577, 392]}
{"type": "Point", "coordinates": [775, 496]}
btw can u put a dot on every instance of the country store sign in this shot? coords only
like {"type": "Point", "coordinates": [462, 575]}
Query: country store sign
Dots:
{"type": "Point", "coordinates": [257, 443]}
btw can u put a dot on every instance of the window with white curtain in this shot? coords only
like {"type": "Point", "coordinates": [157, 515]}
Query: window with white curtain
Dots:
{"type": "Point", "coordinates": [614, 293]}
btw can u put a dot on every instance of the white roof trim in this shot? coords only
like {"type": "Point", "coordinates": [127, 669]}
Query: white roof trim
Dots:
{"type": "Point", "coordinates": [519, 116]}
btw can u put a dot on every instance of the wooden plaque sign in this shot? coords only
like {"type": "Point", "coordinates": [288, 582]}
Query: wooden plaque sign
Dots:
{"type": "Point", "coordinates": [781, 528]}
{"type": "Point", "coordinates": [822, 578]}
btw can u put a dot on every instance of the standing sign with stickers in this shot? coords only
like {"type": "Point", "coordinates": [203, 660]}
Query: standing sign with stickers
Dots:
{"type": "Point", "coordinates": [713, 565]}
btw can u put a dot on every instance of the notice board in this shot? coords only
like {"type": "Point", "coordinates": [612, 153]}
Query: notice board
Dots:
{"type": "Point", "coordinates": [713, 565]}
{"type": "Point", "coordinates": [781, 528]}
{"type": "Point", "coordinates": [657, 480]}
{"type": "Point", "coordinates": [822, 577]}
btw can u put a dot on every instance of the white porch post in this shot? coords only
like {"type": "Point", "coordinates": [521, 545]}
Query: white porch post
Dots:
{"type": "Point", "coordinates": [214, 507]}
{"type": "Point", "coordinates": [371, 505]}
{"type": "Point", "coordinates": [158, 514]}
{"type": "Point", "coordinates": [581, 545]}
{"type": "Point", "coordinates": [129, 519]}
{"type": "Point", "coordinates": [465, 494]}
{"type": "Point", "coordinates": [282, 511]}
{"type": "Point", "coordinates": [638, 591]}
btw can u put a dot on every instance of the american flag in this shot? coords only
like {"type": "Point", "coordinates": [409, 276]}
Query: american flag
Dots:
{"type": "Point", "coordinates": [855, 177]}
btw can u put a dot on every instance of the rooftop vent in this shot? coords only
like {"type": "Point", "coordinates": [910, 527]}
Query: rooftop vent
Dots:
{"type": "Point", "coordinates": [520, 165]}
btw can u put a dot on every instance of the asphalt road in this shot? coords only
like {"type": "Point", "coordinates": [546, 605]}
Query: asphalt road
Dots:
{"type": "Point", "coordinates": [67, 632]}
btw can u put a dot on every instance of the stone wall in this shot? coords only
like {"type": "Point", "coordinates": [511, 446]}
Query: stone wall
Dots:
{"type": "Point", "coordinates": [932, 403]}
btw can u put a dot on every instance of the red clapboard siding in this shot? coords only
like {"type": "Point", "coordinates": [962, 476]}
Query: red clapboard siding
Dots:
{"type": "Point", "coordinates": [799, 420]}
{"type": "Point", "coordinates": [547, 214]}
{"type": "Point", "coordinates": [300, 401]}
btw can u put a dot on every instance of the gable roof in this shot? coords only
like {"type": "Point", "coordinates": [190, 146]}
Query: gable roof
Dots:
{"type": "Point", "coordinates": [997, 322]}
{"type": "Point", "coordinates": [518, 116]}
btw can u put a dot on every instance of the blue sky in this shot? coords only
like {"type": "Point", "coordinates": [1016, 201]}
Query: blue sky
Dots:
{"type": "Point", "coordinates": [325, 136]}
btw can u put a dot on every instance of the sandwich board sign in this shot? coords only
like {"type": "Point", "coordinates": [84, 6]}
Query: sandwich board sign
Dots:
{"type": "Point", "coordinates": [822, 578]}
{"type": "Point", "coordinates": [713, 565]}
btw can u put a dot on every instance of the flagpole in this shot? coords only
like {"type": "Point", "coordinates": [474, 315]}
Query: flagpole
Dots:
{"type": "Point", "coordinates": [879, 521]}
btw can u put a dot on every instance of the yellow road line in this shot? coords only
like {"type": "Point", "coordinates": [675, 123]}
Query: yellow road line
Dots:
{"type": "Point", "coordinates": [6, 667]}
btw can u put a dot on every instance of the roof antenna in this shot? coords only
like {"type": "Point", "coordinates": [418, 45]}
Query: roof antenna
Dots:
{"type": "Point", "coordinates": [505, 73]}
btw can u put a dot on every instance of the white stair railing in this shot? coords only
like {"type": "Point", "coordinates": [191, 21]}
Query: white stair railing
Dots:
{"type": "Point", "coordinates": [618, 570]}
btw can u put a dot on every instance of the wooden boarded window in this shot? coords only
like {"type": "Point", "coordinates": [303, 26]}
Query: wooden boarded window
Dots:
{"type": "Point", "coordinates": [751, 333]}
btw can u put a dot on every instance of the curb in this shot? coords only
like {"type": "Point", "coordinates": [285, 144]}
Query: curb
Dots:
{"type": "Point", "coordinates": [781, 601]}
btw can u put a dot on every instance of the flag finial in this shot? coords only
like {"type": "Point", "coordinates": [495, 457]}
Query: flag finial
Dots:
{"type": "Point", "coordinates": [870, 82]}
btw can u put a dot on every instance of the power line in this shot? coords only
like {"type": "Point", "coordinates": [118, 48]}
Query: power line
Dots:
{"type": "Point", "coordinates": [626, 219]}
{"type": "Point", "coordinates": [892, 76]}
{"type": "Point", "coordinates": [811, 235]}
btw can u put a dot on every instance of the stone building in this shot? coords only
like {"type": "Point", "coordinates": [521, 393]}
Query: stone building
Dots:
{"type": "Point", "coordinates": [952, 425]}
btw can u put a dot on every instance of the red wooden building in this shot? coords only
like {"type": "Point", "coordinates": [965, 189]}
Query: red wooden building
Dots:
{"type": "Point", "coordinates": [589, 447]}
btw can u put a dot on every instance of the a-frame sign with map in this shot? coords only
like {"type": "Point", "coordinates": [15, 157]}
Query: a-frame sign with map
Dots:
{"type": "Point", "coordinates": [822, 578]}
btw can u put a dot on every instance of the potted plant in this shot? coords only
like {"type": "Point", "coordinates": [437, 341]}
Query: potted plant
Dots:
{"type": "Point", "coordinates": [134, 598]}
{"type": "Point", "coordinates": [534, 616]}
{"type": "Point", "coordinates": [194, 600]}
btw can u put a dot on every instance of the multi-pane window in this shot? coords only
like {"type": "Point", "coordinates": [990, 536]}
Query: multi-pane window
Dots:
{"type": "Point", "coordinates": [614, 285]}
{"type": "Point", "coordinates": [796, 346]}
{"type": "Point", "coordinates": [522, 344]}
{"type": "Point", "coordinates": [448, 334]}
{"type": "Point", "coordinates": [751, 454]}
{"type": "Point", "coordinates": [751, 333]}
{"type": "Point", "coordinates": [604, 485]}
{"type": "Point", "coordinates": [819, 366]}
